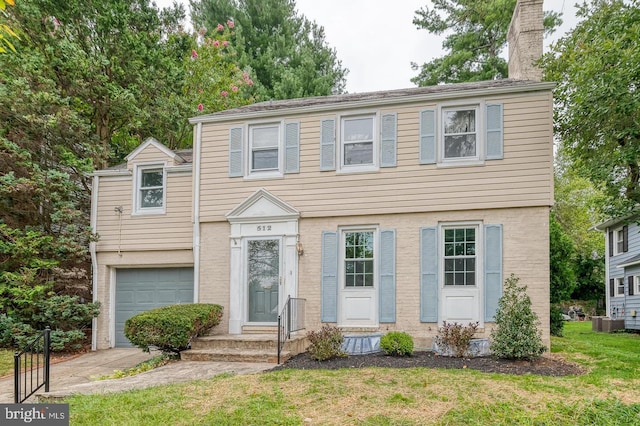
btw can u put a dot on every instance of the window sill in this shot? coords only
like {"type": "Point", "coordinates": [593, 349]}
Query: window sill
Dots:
{"type": "Point", "coordinates": [460, 163]}
{"type": "Point", "coordinates": [264, 175]}
{"type": "Point", "coordinates": [347, 170]}
{"type": "Point", "coordinates": [149, 213]}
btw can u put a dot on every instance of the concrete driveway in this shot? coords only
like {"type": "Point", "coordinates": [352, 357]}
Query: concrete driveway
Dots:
{"type": "Point", "coordinates": [78, 375]}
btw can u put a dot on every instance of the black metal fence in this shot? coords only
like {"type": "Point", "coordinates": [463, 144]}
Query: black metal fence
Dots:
{"type": "Point", "coordinates": [290, 319]}
{"type": "Point", "coordinates": [31, 367]}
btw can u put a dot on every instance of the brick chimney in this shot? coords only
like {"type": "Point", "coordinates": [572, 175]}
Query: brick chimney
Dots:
{"type": "Point", "coordinates": [525, 40]}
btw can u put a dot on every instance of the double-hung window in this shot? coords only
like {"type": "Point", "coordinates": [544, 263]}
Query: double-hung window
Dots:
{"type": "Point", "coordinates": [358, 259]}
{"type": "Point", "coordinates": [150, 190]}
{"type": "Point", "coordinates": [619, 241]}
{"type": "Point", "coordinates": [460, 133]}
{"type": "Point", "coordinates": [264, 143]}
{"type": "Point", "coordinates": [460, 256]}
{"type": "Point", "coordinates": [358, 142]}
{"type": "Point", "coordinates": [619, 287]}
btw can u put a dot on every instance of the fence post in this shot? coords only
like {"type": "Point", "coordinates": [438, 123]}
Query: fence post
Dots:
{"type": "Point", "coordinates": [47, 357]}
{"type": "Point", "coordinates": [16, 377]}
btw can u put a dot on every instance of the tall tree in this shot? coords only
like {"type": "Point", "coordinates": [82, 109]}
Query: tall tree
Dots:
{"type": "Point", "coordinates": [597, 70]}
{"type": "Point", "coordinates": [477, 34]}
{"type": "Point", "coordinates": [6, 32]}
{"type": "Point", "coordinates": [287, 53]}
{"type": "Point", "coordinates": [576, 212]}
{"type": "Point", "coordinates": [92, 79]}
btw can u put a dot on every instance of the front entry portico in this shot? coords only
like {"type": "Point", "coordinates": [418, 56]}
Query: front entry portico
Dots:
{"type": "Point", "coordinates": [264, 260]}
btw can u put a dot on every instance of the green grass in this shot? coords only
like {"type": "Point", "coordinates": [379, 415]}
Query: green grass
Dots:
{"type": "Point", "coordinates": [150, 364]}
{"type": "Point", "coordinates": [6, 362]}
{"type": "Point", "coordinates": [606, 395]}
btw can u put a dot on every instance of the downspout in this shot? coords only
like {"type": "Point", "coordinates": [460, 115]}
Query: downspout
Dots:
{"type": "Point", "coordinates": [196, 214]}
{"type": "Point", "coordinates": [607, 295]}
{"type": "Point", "coordinates": [94, 258]}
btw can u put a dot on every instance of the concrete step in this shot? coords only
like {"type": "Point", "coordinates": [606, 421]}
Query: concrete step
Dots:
{"type": "Point", "coordinates": [241, 342]}
{"type": "Point", "coordinates": [234, 355]}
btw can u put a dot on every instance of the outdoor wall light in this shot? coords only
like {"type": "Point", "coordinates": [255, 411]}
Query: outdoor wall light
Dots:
{"type": "Point", "coordinates": [299, 247]}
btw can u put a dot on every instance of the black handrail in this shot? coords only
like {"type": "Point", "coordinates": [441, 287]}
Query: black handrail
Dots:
{"type": "Point", "coordinates": [38, 349]}
{"type": "Point", "coordinates": [290, 319]}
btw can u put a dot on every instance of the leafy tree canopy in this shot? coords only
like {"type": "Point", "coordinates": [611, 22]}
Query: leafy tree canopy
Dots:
{"type": "Point", "coordinates": [6, 32]}
{"type": "Point", "coordinates": [597, 70]}
{"type": "Point", "coordinates": [476, 35]}
{"type": "Point", "coordinates": [287, 53]}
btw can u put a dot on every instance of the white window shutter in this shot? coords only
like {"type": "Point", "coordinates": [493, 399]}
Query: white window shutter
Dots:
{"type": "Point", "coordinates": [388, 140]}
{"type": "Point", "coordinates": [428, 136]}
{"type": "Point", "coordinates": [387, 285]}
{"type": "Point", "coordinates": [328, 144]}
{"type": "Point", "coordinates": [492, 270]}
{"type": "Point", "coordinates": [494, 134]}
{"type": "Point", "coordinates": [329, 285]}
{"type": "Point", "coordinates": [236, 156]}
{"type": "Point", "coordinates": [292, 148]}
{"type": "Point", "coordinates": [429, 274]}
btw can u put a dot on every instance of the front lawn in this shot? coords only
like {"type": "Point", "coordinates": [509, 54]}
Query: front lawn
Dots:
{"type": "Point", "coordinates": [607, 394]}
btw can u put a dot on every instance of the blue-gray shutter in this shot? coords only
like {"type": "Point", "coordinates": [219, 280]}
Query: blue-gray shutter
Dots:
{"type": "Point", "coordinates": [236, 145]}
{"type": "Point", "coordinates": [494, 134]}
{"type": "Point", "coordinates": [387, 285]}
{"type": "Point", "coordinates": [328, 144]}
{"type": "Point", "coordinates": [388, 140]}
{"type": "Point", "coordinates": [428, 136]}
{"type": "Point", "coordinates": [492, 269]}
{"type": "Point", "coordinates": [292, 148]}
{"type": "Point", "coordinates": [329, 304]}
{"type": "Point", "coordinates": [429, 274]}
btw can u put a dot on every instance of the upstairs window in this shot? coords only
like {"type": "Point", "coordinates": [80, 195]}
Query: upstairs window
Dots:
{"type": "Point", "coordinates": [150, 193]}
{"type": "Point", "coordinates": [264, 143]}
{"type": "Point", "coordinates": [618, 241]}
{"type": "Point", "coordinates": [358, 142]}
{"type": "Point", "coordinates": [460, 133]}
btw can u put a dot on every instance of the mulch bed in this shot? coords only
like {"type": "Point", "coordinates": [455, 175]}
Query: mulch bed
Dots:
{"type": "Point", "coordinates": [543, 366]}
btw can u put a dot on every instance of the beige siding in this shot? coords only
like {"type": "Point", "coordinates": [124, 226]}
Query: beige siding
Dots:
{"type": "Point", "coordinates": [523, 178]}
{"type": "Point", "coordinates": [525, 253]}
{"type": "Point", "coordinates": [172, 230]}
{"type": "Point", "coordinates": [108, 264]}
{"type": "Point", "coordinates": [151, 154]}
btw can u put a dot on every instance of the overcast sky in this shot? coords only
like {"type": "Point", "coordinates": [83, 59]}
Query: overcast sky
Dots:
{"type": "Point", "coordinates": [377, 41]}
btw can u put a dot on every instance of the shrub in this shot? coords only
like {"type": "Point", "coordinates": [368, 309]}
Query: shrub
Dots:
{"type": "Point", "coordinates": [397, 343]}
{"type": "Point", "coordinates": [556, 321]}
{"type": "Point", "coordinates": [171, 328]}
{"type": "Point", "coordinates": [65, 315]}
{"type": "Point", "coordinates": [454, 339]}
{"type": "Point", "coordinates": [516, 335]}
{"type": "Point", "coordinates": [326, 343]}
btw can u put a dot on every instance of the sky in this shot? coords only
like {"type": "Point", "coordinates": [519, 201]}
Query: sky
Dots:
{"type": "Point", "coordinates": [377, 41]}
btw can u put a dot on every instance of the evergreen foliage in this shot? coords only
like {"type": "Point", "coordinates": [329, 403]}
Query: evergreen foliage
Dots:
{"type": "Point", "coordinates": [287, 53]}
{"type": "Point", "coordinates": [516, 334]}
{"type": "Point", "coordinates": [171, 328]}
{"type": "Point", "coordinates": [476, 35]}
{"type": "Point", "coordinates": [397, 343]}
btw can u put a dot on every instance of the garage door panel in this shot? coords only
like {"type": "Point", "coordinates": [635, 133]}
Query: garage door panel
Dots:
{"type": "Point", "coordinates": [140, 290]}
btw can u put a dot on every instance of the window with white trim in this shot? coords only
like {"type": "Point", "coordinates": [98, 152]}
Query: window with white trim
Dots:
{"type": "Point", "coordinates": [359, 258]}
{"type": "Point", "coordinates": [636, 285]}
{"type": "Point", "coordinates": [460, 133]}
{"type": "Point", "coordinates": [619, 290]}
{"type": "Point", "coordinates": [358, 143]}
{"type": "Point", "coordinates": [150, 189]}
{"type": "Point", "coordinates": [618, 241]}
{"type": "Point", "coordinates": [460, 255]}
{"type": "Point", "coordinates": [264, 148]}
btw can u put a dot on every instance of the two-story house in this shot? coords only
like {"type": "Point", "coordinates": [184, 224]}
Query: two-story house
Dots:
{"type": "Point", "coordinates": [392, 210]}
{"type": "Point", "coordinates": [622, 271]}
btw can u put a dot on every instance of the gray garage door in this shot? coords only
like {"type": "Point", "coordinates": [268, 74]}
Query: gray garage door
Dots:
{"type": "Point", "coordinates": [139, 290]}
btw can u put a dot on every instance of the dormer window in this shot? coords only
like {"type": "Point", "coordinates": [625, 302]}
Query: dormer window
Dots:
{"type": "Point", "coordinates": [150, 189]}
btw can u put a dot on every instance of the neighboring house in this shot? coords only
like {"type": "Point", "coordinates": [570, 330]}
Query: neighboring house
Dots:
{"type": "Point", "coordinates": [622, 270]}
{"type": "Point", "coordinates": [394, 210]}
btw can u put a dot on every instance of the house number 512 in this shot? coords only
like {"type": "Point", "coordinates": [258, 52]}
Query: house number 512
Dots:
{"type": "Point", "coordinates": [264, 227]}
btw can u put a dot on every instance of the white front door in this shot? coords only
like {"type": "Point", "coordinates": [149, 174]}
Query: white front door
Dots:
{"type": "Point", "coordinates": [358, 301]}
{"type": "Point", "coordinates": [461, 272]}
